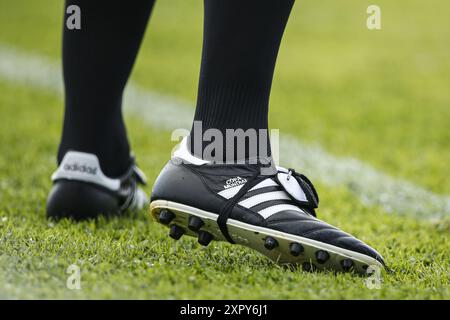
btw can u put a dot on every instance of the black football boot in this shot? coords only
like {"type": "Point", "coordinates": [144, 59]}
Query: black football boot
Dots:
{"type": "Point", "coordinates": [81, 190]}
{"type": "Point", "coordinates": [271, 210]}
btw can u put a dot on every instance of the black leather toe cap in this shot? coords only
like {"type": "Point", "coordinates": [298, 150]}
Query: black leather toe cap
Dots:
{"type": "Point", "coordinates": [306, 226]}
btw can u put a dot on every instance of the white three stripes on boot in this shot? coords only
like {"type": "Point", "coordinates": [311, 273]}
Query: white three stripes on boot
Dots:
{"type": "Point", "coordinates": [231, 192]}
{"type": "Point", "coordinates": [261, 198]}
{"type": "Point", "coordinates": [267, 212]}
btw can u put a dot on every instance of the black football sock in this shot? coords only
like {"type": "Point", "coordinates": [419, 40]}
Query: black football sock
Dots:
{"type": "Point", "coordinates": [240, 45]}
{"type": "Point", "coordinates": [97, 61]}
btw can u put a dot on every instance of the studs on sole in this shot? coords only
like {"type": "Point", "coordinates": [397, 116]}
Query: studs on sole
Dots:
{"type": "Point", "coordinates": [322, 256]}
{"type": "Point", "coordinates": [308, 266]}
{"type": "Point", "coordinates": [176, 232]}
{"type": "Point", "coordinates": [195, 223]}
{"type": "Point", "coordinates": [270, 243]}
{"type": "Point", "coordinates": [347, 264]}
{"type": "Point", "coordinates": [165, 216]}
{"type": "Point", "coordinates": [296, 248]}
{"type": "Point", "coordinates": [204, 237]}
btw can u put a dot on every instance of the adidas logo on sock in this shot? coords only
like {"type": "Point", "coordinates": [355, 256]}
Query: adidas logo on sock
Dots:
{"type": "Point", "coordinates": [234, 182]}
{"type": "Point", "coordinates": [80, 168]}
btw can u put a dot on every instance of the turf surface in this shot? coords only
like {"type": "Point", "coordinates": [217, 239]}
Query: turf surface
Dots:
{"type": "Point", "coordinates": [380, 96]}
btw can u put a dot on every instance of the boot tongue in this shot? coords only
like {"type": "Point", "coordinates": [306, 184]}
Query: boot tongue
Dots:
{"type": "Point", "coordinates": [299, 188]}
{"type": "Point", "coordinates": [291, 186]}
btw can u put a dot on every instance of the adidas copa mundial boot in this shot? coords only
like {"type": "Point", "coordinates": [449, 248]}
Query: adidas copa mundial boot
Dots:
{"type": "Point", "coordinates": [81, 190]}
{"type": "Point", "coordinates": [272, 212]}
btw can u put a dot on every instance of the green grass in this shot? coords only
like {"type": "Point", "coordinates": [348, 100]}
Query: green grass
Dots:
{"type": "Point", "coordinates": [380, 96]}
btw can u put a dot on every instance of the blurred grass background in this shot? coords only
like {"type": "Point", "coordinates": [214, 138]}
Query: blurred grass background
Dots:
{"type": "Point", "coordinates": [379, 96]}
